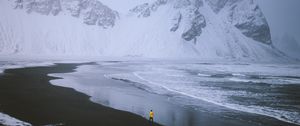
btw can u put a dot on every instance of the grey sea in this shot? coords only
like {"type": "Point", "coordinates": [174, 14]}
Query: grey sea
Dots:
{"type": "Point", "coordinates": [194, 93]}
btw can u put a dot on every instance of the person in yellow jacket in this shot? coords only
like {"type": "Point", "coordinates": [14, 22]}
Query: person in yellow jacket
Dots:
{"type": "Point", "coordinates": [151, 116]}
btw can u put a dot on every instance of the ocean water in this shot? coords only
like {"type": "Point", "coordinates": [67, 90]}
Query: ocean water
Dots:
{"type": "Point", "coordinates": [233, 90]}
{"type": "Point", "coordinates": [271, 90]}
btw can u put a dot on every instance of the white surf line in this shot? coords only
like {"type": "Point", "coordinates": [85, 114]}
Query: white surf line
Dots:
{"type": "Point", "coordinates": [203, 75]}
{"type": "Point", "coordinates": [250, 109]}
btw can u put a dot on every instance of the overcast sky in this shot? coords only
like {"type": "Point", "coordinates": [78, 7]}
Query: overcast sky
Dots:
{"type": "Point", "coordinates": [283, 16]}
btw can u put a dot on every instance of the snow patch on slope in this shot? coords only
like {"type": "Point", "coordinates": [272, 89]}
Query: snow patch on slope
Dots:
{"type": "Point", "coordinates": [7, 120]}
{"type": "Point", "coordinates": [47, 35]}
{"type": "Point", "coordinates": [131, 36]}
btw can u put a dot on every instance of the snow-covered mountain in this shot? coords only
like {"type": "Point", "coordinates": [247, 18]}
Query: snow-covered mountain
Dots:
{"type": "Point", "coordinates": [92, 11]}
{"type": "Point", "coordinates": [206, 29]}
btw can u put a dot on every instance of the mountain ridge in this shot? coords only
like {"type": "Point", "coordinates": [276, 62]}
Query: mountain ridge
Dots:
{"type": "Point", "coordinates": [184, 28]}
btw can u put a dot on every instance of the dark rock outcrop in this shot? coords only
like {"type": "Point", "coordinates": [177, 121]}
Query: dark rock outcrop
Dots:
{"type": "Point", "coordinates": [246, 16]}
{"type": "Point", "coordinates": [93, 12]}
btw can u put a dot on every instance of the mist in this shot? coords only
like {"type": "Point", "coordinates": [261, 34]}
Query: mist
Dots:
{"type": "Point", "coordinates": [283, 18]}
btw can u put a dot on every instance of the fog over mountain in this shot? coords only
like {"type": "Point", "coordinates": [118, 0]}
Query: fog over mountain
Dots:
{"type": "Point", "coordinates": [193, 62]}
{"type": "Point", "coordinates": [283, 18]}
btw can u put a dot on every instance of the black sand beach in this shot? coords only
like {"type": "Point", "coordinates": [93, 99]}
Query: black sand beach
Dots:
{"type": "Point", "coordinates": [26, 94]}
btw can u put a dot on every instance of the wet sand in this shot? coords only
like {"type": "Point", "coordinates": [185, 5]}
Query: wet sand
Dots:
{"type": "Point", "coordinates": [26, 94]}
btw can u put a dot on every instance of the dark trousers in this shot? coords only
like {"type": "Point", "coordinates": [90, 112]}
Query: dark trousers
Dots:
{"type": "Point", "coordinates": [151, 120]}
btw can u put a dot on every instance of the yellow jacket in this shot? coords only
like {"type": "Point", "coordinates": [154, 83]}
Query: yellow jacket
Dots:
{"type": "Point", "coordinates": [151, 114]}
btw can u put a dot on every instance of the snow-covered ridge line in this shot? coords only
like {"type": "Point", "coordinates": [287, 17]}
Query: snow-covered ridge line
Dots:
{"type": "Point", "coordinates": [7, 120]}
{"type": "Point", "coordinates": [175, 29]}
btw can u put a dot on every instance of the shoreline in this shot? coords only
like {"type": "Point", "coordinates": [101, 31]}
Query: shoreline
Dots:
{"type": "Point", "coordinates": [168, 108]}
{"type": "Point", "coordinates": [27, 94]}
{"type": "Point", "coordinates": [30, 95]}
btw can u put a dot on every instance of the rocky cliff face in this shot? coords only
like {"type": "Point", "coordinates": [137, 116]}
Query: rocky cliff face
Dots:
{"type": "Point", "coordinates": [208, 29]}
{"type": "Point", "coordinates": [146, 9]}
{"type": "Point", "coordinates": [190, 8]}
{"type": "Point", "coordinates": [244, 15]}
{"type": "Point", "coordinates": [92, 11]}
